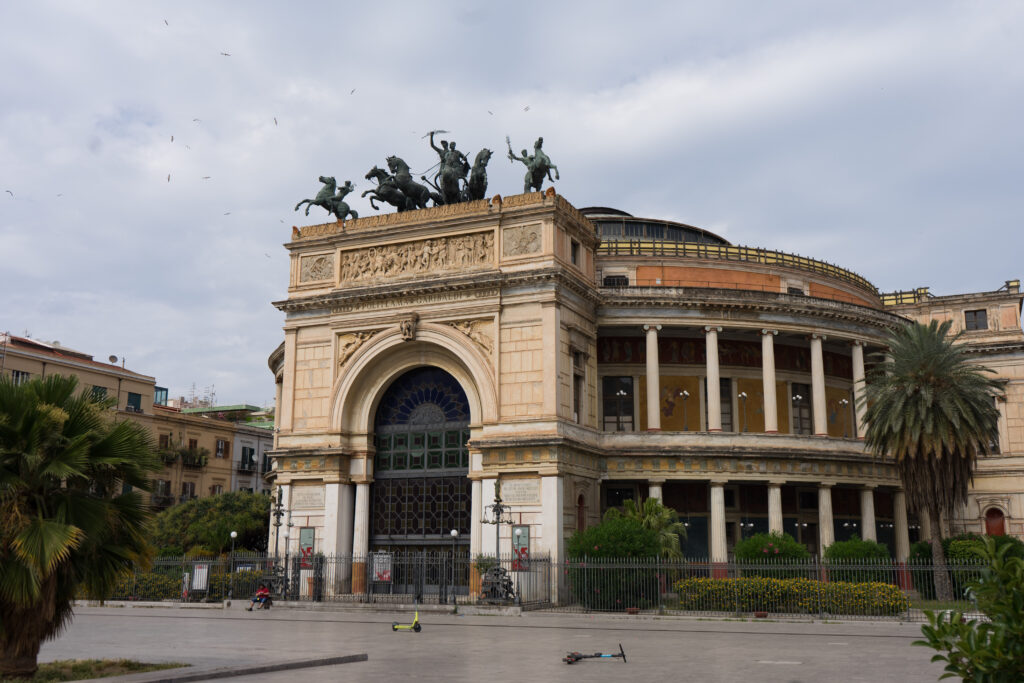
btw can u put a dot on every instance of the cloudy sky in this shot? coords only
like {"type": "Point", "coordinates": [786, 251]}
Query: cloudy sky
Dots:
{"type": "Point", "coordinates": [884, 137]}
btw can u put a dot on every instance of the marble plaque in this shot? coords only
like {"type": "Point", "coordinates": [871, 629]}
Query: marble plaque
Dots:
{"type": "Point", "coordinates": [308, 498]}
{"type": "Point", "coordinates": [520, 491]}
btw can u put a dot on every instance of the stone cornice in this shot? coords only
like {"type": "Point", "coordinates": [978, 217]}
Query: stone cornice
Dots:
{"type": "Point", "coordinates": [744, 300]}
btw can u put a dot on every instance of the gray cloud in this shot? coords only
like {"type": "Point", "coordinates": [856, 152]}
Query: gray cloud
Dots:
{"type": "Point", "coordinates": [882, 138]}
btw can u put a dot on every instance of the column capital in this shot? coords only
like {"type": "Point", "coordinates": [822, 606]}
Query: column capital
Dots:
{"type": "Point", "coordinates": [718, 481]}
{"type": "Point", "coordinates": [868, 487]}
{"type": "Point", "coordinates": [766, 332]}
{"type": "Point", "coordinates": [776, 482]}
{"type": "Point", "coordinates": [826, 484]}
{"type": "Point", "coordinates": [656, 481]}
{"type": "Point", "coordinates": [817, 335]}
{"type": "Point", "coordinates": [712, 328]}
{"type": "Point", "coordinates": [647, 328]}
{"type": "Point", "coordinates": [858, 342]}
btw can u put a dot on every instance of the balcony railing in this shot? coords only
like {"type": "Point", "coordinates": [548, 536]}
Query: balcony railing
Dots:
{"type": "Point", "coordinates": [162, 500]}
{"type": "Point", "coordinates": [663, 248]}
{"type": "Point", "coordinates": [246, 468]}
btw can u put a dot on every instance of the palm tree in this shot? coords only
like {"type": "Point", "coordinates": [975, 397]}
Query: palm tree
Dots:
{"type": "Point", "coordinates": [933, 411]}
{"type": "Point", "coordinates": [664, 521]}
{"type": "Point", "coordinates": [69, 519]}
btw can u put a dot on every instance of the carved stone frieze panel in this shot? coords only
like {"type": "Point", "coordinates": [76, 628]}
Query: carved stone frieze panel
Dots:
{"type": "Point", "coordinates": [430, 256]}
{"type": "Point", "coordinates": [316, 268]}
{"type": "Point", "coordinates": [348, 344]}
{"type": "Point", "coordinates": [521, 240]}
{"type": "Point", "coordinates": [480, 331]}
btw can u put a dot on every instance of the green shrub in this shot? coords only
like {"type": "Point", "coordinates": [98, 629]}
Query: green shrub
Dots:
{"type": "Point", "coordinates": [601, 583]}
{"type": "Point", "coordinates": [991, 649]}
{"type": "Point", "coordinates": [774, 547]}
{"type": "Point", "coordinates": [865, 560]}
{"type": "Point", "coordinates": [790, 596]}
{"type": "Point", "coordinates": [961, 552]}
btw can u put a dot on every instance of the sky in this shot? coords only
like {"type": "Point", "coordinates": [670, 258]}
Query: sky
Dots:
{"type": "Point", "coordinates": [151, 153]}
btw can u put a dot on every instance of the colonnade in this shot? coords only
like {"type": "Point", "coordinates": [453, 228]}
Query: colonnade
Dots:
{"type": "Point", "coordinates": [771, 420]}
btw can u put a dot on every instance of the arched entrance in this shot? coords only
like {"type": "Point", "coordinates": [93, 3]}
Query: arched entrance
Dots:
{"type": "Point", "coordinates": [995, 522]}
{"type": "Point", "coordinates": [420, 490]}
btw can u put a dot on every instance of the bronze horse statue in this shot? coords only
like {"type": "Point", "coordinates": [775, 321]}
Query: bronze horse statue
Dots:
{"type": "Point", "coordinates": [476, 188]}
{"type": "Point", "coordinates": [418, 194]}
{"type": "Point", "coordinates": [538, 165]}
{"type": "Point", "coordinates": [387, 191]}
{"type": "Point", "coordinates": [329, 201]}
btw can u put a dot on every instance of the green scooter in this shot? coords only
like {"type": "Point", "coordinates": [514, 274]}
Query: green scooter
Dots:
{"type": "Point", "coordinates": [414, 626]}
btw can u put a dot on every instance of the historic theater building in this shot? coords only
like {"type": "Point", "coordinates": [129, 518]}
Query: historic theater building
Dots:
{"type": "Point", "coordinates": [586, 357]}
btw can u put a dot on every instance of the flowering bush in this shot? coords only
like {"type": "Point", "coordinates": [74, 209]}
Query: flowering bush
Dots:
{"type": "Point", "coordinates": [793, 596]}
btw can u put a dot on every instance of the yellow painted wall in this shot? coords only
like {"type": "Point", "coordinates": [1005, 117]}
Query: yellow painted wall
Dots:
{"type": "Point", "coordinates": [838, 416]}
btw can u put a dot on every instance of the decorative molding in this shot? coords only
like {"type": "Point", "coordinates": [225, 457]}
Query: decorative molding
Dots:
{"type": "Point", "coordinates": [521, 240]}
{"type": "Point", "coordinates": [316, 268]}
{"type": "Point", "coordinates": [478, 331]}
{"type": "Point", "coordinates": [427, 257]}
{"type": "Point", "coordinates": [349, 343]}
{"type": "Point", "coordinates": [408, 326]}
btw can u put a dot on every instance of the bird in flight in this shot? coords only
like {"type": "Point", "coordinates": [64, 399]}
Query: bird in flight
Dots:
{"type": "Point", "coordinates": [168, 177]}
{"type": "Point", "coordinates": [227, 213]}
{"type": "Point", "coordinates": [165, 23]}
{"type": "Point", "coordinates": [9, 192]}
{"type": "Point", "coordinates": [275, 120]}
{"type": "Point", "coordinates": [172, 138]}
{"type": "Point", "coordinates": [198, 120]}
{"type": "Point", "coordinates": [526, 108]}
{"type": "Point", "coordinates": [226, 54]}
{"type": "Point", "coordinates": [490, 112]}
{"type": "Point", "coordinates": [266, 254]}
{"type": "Point", "coordinates": [60, 194]}
{"type": "Point", "coordinates": [187, 147]}
{"type": "Point", "coordinates": [352, 92]}
{"type": "Point", "coordinates": [206, 177]}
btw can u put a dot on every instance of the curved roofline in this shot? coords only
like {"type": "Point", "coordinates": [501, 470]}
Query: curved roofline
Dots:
{"type": "Point", "coordinates": [604, 211]}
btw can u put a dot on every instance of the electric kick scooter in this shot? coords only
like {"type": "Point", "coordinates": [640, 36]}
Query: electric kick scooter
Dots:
{"type": "Point", "coordinates": [574, 657]}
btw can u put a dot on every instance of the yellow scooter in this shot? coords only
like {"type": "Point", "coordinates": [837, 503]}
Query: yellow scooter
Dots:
{"type": "Point", "coordinates": [414, 626]}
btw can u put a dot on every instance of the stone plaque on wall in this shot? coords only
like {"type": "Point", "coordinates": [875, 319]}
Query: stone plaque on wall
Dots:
{"type": "Point", "coordinates": [308, 497]}
{"type": "Point", "coordinates": [520, 491]}
{"type": "Point", "coordinates": [521, 240]}
{"type": "Point", "coordinates": [315, 268]}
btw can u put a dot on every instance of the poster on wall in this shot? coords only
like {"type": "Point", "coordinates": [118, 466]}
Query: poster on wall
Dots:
{"type": "Point", "coordinates": [520, 548]}
{"type": "Point", "coordinates": [307, 536]}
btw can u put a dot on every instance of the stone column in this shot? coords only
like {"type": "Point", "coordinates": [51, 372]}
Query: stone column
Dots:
{"type": "Point", "coordinates": [654, 489]}
{"type": "Point", "coordinates": [653, 380]}
{"type": "Point", "coordinates": [771, 411]}
{"type": "Point", "coordinates": [818, 386]}
{"type": "Point", "coordinates": [860, 408]}
{"type": "Point", "coordinates": [902, 532]}
{"type": "Point", "coordinates": [361, 538]}
{"type": "Point", "coordinates": [552, 496]}
{"type": "Point", "coordinates": [826, 529]}
{"type": "Point", "coordinates": [719, 548]}
{"type": "Point", "coordinates": [476, 508]}
{"type": "Point", "coordinates": [714, 398]}
{"type": "Point", "coordinates": [775, 507]}
{"type": "Point", "coordinates": [868, 530]}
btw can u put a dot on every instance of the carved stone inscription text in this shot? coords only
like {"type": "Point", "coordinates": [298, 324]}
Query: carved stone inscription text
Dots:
{"type": "Point", "coordinates": [436, 255]}
{"type": "Point", "coordinates": [522, 239]}
{"type": "Point", "coordinates": [316, 268]}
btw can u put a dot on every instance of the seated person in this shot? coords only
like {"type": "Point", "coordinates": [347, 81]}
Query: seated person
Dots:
{"type": "Point", "coordinates": [261, 597]}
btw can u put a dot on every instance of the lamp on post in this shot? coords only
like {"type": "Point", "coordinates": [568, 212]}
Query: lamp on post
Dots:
{"type": "Point", "coordinates": [231, 585]}
{"type": "Point", "coordinates": [846, 418]}
{"type": "Point", "coordinates": [455, 538]}
{"type": "Point", "coordinates": [284, 591]}
{"type": "Point", "coordinates": [499, 514]}
{"type": "Point", "coordinates": [743, 400]}
{"type": "Point", "coordinates": [685, 395]}
{"type": "Point", "coordinates": [278, 513]}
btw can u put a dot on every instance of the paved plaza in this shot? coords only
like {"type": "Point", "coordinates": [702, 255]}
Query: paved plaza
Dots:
{"type": "Point", "coordinates": [473, 648]}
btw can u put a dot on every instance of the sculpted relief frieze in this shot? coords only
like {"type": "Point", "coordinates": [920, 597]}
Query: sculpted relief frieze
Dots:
{"type": "Point", "coordinates": [479, 331]}
{"type": "Point", "coordinates": [316, 268]}
{"type": "Point", "coordinates": [521, 240]}
{"type": "Point", "coordinates": [436, 255]}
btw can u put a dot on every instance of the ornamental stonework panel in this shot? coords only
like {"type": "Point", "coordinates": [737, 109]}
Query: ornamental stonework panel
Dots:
{"type": "Point", "coordinates": [521, 240]}
{"type": "Point", "coordinates": [430, 256]}
{"type": "Point", "coordinates": [316, 268]}
{"type": "Point", "coordinates": [480, 331]}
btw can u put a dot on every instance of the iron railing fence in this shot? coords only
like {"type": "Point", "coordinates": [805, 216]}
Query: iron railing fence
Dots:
{"type": "Point", "coordinates": [851, 589]}
{"type": "Point", "coordinates": [383, 577]}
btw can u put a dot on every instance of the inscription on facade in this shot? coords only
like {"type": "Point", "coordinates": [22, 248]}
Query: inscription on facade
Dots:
{"type": "Point", "coordinates": [437, 255]}
{"type": "Point", "coordinates": [315, 268]}
{"type": "Point", "coordinates": [417, 301]}
{"type": "Point", "coordinates": [308, 497]}
{"type": "Point", "coordinates": [520, 240]}
{"type": "Point", "coordinates": [520, 491]}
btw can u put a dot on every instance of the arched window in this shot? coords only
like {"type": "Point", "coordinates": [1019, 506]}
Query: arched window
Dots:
{"type": "Point", "coordinates": [995, 522]}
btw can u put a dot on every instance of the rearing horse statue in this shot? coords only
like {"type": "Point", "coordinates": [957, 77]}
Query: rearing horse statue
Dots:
{"type": "Point", "coordinates": [387, 191]}
{"type": "Point", "coordinates": [418, 194]}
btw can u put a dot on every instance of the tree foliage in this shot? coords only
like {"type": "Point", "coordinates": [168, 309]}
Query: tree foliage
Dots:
{"type": "Point", "coordinates": [205, 524]}
{"type": "Point", "coordinates": [70, 516]}
{"type": "Point", "coordinates": [776, 547]}
{"type": "Point", "coordinates": [663, 521]}
{"type": "Point", "coordinates": [933, 411]}
{"type": "Point", "coordinates": [990, 650]}
{"type": "Point", "coordinates": [616, 537]}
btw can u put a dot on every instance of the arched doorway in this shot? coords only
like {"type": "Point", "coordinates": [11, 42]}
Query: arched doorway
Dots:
{"type": "Point", "coordinates": [420, 490]}
{"type": "Point", "coordinates": [995, 522]}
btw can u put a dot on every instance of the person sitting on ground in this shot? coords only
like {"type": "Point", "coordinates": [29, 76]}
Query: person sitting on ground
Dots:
{"type": "Point", "coordinates": [261, 597]}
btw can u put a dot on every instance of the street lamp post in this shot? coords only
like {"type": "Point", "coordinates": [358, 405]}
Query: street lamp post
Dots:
{"type": "Point", "coordinates": [842, 404]}
{"type": "Point", "coordinates": [287, 534]}
{"type": "Point", "coordinates": [500, 513]}
{"type": "Point", "coordinates": [743, 400]}
{"type": "Point", "coordinates": [231, 585]}
{"type": "Point", "coordinates": [455, 537]}
{"type": "Point", "coordinates": [685, 394]}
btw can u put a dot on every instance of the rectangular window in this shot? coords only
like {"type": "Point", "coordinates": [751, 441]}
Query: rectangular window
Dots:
{"type": "Point", "coordinates": [188, 490]}
{"type": "Point", "coordinates": [223, 448]}
{"type": "Point", "coordinates": [574, 252]}
{"type": "Point", "coordinates": [617, 399]}
{"type": "Point", "coordinates": [19, 377]}
{"type": "Point", "coordinates": [578, 363]}
{"type": "Point", "coordinates": [993, 443]}
{"type": "Point", "coordinates": [193, 444]}
{"type": "Point", "coordinates": [807, 500]}
{"type": "Point", "coordinates": [99, 393]}
{"type": "Point", "coordinates": [245, 489]}
{"type": "Point", "coordinates": [134, 403]}
{"type": "Point", "coordinates": [724, 402]}
{"type": "Point", "coordinates": [795, 290]}
{"type": "Point", "coordinates": [160, 396]}
{"type": "Point", "coordinates": [248, 458]}
{"type": "Point", "coordinates": [162, 487]}
{"type": "Point", "coordinates": [217, 489]}
{"type": "Point", "coordinates": [976, 320]}
{"type": "Point", "coordinates": [801, 408]}
{"type": "Point", "coordinates": [165, 441]}
{"type": "Point", "coordinates": [616, 281]}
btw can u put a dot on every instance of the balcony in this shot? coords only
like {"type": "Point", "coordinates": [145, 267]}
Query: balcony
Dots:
{"type": "Point", "coordinates": [246, 468]}
{"type": "Point", "coordinates": [194, 460]}
{"type": "Point", "coordinates": [159, 500]}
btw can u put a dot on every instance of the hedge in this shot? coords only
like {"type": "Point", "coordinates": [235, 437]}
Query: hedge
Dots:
{"type": "Point", "coordinates": [793, 596]}
{"type": "Point", "coordinates": [165, 584]}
